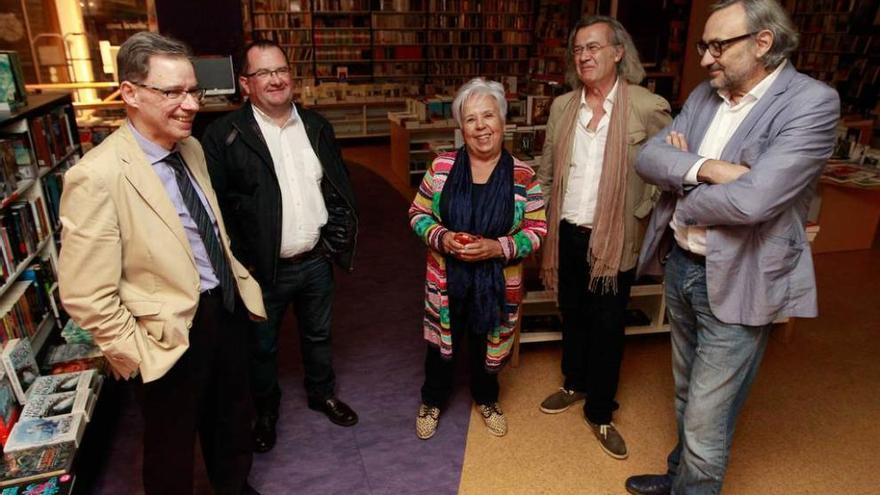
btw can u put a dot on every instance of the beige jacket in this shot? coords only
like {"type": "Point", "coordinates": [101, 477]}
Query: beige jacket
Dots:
{"type": "Point", "coordinates": [126, 270]}
{"type": "Point", "coordinates": [649, 114]}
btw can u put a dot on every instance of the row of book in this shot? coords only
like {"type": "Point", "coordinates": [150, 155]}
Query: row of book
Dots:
{"type": "Point", "coordinates": [23, 225]}
{"type": "Point", "coordinates": [43, 417]}
{"type": "Point", "coordinates": [402, 21]}
{"type": "Point", "coordinates": [286, 21]}
{"type": "Point", "coordinates": [22, 319]}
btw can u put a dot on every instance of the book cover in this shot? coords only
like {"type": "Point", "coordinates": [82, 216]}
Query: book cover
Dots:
{"type": "Point", "coordinates": [9, 409]}
{"type": "Point", "coordinates": [30, 433]}
{"type": "Point", "coordinates": [65, 382]}
{"type": "Point", "coordinates": [21, 367]}
{"type": "Point", "coordinates": [53, 485]}
{"type": "Point", "coordinates": [41, 142]}
{"type": "Point", "coordinates": [74, 357]}
{"type": "Point", "coordinates": [43, 406]}
{"type": "Point", "coordinates": [537, 109]}
{"type": "Point", "coordinates": [33, 464]}
{"type": "Point", "coordinates": [12, 91]}
{"type": "Point", "coordinates": [8, 166]}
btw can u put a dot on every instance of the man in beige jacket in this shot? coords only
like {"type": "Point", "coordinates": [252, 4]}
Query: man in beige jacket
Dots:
{"type": "Point", "coordinates": [146, 267]}
{"type": "Point", "coordinates": [596, 209]}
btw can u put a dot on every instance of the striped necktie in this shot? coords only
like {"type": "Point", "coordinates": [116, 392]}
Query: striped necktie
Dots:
{"type": "Point", "coordinates": [206, 228]}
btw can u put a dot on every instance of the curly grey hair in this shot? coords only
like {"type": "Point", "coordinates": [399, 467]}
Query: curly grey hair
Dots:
{"type": "Point", "coordinates": [133, 59]}
{"type": "Point", "coordinates": [767, 15]}
{"type": "Point", "coordinates": [629, 68]}
{"type": "Point", "coordinates": [479, 86]}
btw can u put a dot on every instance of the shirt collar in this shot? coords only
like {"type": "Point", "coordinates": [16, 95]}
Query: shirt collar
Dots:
{"type": "Point", "coordinates": [262, 116]}
{"type": "Point", "coordinates": [609, 98]}
{"type": "Point", "coordinates": [758, 91]}
{"type": "Point", "coordinates": [155, 153]}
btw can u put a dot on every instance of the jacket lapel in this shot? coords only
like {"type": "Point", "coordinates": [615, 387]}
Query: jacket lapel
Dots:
{"type": "Point", "coordinates": [701, 124]}
{"type": "Point", "coordinates": [143, 178]}
{"type": "Point", "coordinates": [779, 86]}
{"type": "Point", "coordinates": [249, 130]}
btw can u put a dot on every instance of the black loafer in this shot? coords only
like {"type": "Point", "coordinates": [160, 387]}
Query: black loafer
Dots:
{"type": "Point", "coordinates": [264, 433]}
{"type": "Point", "coordinates": [649, 484]}
{"type": "Point", "coordinates": [249, 490]}
{"type": "Point", "coordinates": [337, 411]}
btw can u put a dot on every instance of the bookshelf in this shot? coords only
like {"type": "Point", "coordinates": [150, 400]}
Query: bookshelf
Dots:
{"type": "Point", "coordinates": [44, 143]}
{"type": "Point", "coordinates": [437, 42]}
{"type": "Point", "coordinates": [840, 44]}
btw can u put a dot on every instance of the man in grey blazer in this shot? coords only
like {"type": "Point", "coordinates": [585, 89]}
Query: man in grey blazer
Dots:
{"type": "Point", "coordinates": [737, 169]}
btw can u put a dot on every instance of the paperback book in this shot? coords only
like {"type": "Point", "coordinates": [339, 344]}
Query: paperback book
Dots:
{"type": "Point", "coordinates": [34, 464]}
{"type": "Point", "coordinates": [43, 406]}
{"type": "Point", "coordinates": [31, 433]}
{"type": "Point", "coordinates": [67, 382]}
{"type": "Point", "coordinates": [21, 367]}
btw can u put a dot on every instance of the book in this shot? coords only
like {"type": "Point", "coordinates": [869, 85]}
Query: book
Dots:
{"type": "Point", "coordinates": [537, 109]}
{"type": "Point", "coordinates": [73, 357]}
{"type": "Point", "coordinates": [9, 409]}
{"type": "Point", "coordinates": [30, 433]}
{"type": "Point", "coordinates": [80, 401]}
{"type": "Point", "coordinates": [54, 485]}
{"type": "Point", "coordinates": [12, 90]}
{"type": "Point", "coordinates": [21, 367]}
{"type": "Point", "coordinates": [37, 463]}
{"type": "Point", "coordinates": [67, 382]}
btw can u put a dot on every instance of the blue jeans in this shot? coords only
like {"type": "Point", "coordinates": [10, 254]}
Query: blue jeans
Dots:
{"type": "Point", "coordinates": [308, 285]}
{"type": "Point", "coordinates": [713, 364]}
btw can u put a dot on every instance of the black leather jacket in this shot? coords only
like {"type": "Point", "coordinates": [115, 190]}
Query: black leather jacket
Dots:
{"type": "Point", "coordinates": [244, 179]}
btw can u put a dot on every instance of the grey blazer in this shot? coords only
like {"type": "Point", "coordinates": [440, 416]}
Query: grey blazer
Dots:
{"type": "Point", "coordinates": [758, 261]}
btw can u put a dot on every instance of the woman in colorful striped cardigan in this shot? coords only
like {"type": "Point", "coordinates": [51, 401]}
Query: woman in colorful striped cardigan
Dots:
{"type": "Point", "coordinates": [481, 212]}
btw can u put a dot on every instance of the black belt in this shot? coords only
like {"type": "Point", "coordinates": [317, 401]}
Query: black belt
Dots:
{"type": "Point", "coordinates": [213, 292]}
{"type": "Point", "coordinates": [577, 228]}
{"type": "Point", "coordinates": [696, 258]}
{"type": "Point", "coordinates": [299, 258]}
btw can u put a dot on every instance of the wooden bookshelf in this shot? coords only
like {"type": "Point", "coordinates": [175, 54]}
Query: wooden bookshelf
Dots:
{"type": "Point", "coordinates": [437, 42]}
{"type": "Point", "coordinates": [840, 45]}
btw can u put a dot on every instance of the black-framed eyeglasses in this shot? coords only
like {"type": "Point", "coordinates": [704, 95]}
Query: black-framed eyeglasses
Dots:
{"type": "Point", "coordinates": [590, 48]}
{"type": "Point", "coordinates": [267, 73]}
{"type": "Point", "coordinates": [717, 47]}
{"type": "Point", "coordinates": [175, 94]}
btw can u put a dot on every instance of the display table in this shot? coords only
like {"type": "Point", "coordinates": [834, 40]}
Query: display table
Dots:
{"type": "Point", "coordinates": [849, 217]}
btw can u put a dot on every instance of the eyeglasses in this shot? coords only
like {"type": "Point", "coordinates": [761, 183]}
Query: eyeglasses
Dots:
{"type": "Point", "coordinates": [717, 47]}
{"type": "Point", "coordinates": [266, 73]}
{"type": "Point", "coordinates": [176, 95]}
{"type": "Point", "coordinates": [591, 48]}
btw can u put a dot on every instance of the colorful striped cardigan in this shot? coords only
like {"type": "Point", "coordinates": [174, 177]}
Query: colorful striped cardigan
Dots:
{"type": "Point", "coordinates": [529, 228]}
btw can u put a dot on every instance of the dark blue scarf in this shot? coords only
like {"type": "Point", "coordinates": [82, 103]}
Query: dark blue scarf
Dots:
{"type": "Point", "coordinates": [476, 289]}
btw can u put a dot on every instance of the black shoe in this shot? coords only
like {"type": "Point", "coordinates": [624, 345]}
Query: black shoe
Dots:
{"type": "Point", "coordinates": [247, 489]}
{"type": "Point", "coordinates": [649, 484]}
{"type": "Point", "coordinates": [337, 411]}
{"type": "Point", "coordinates": [264, 433]}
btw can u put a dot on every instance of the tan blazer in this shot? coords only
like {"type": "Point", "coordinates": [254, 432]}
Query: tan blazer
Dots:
{"type": "Point", "coordinates": [648, 114]}
{"type": "Point", "coordinates": [126, 270]}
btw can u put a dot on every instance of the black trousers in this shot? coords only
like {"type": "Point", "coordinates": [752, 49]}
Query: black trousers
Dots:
{"type": "Point", "coordinates": [440, 373]}
{"type": "Point", "coordinates": [206, 392]}
{"type": "Point", "coordinates": [592, 326]}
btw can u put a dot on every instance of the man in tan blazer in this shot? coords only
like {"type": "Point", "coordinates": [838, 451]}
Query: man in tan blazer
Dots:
{"type": "Point", "coordinates": [146, 267]}
{"type": "Point", "coordinates": [597, 207]}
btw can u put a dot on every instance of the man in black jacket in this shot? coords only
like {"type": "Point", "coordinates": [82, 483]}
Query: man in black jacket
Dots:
{"type": "Point", "coordinates": [285, 192]}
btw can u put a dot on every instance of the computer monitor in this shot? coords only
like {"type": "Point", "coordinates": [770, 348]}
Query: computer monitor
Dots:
{"type": "Point", "coordinates": [215, 74]}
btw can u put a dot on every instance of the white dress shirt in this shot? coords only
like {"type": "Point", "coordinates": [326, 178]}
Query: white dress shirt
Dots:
{"type": "Point", "coordinates": [587, 155]}
{"type": "Point", "coordinates": [726, 121]}
{"type": "Point", "coordinates": [299, 173]}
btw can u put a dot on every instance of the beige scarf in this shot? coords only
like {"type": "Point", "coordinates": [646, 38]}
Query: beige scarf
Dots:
{"type": "Point", "coordinates": [606, 241]}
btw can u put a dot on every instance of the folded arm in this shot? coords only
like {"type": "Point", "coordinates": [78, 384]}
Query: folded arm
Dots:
{"type": "Point", "coordinates": [777, 175]}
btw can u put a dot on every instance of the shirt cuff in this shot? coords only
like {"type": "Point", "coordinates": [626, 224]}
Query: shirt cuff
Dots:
{"type": "Point", "coordinates": [690, 178]}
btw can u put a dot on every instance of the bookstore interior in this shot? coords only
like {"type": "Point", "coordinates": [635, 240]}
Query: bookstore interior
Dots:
{"type": "Point", "coordinates": [382, 72]}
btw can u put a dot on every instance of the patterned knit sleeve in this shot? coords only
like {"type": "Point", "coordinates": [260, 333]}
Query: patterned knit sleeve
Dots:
{"type": "Point", "coordinates": [530, 209]}
{"type": "Point", "coordinates": [421, 212]}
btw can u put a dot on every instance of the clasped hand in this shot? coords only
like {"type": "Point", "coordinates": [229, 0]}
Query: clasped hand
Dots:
{"type": "Point", "coordinates": [468, 247]}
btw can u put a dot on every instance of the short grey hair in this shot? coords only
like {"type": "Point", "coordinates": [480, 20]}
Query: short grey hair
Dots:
{"type": "Point", "coordinates": [767, 15]}
{"type": "Point", "coordinates": [479, 86]}
{"type": "Point", "coordinates": [133, 59]}
{"type": "Point", "coordinates": [630, 66]}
